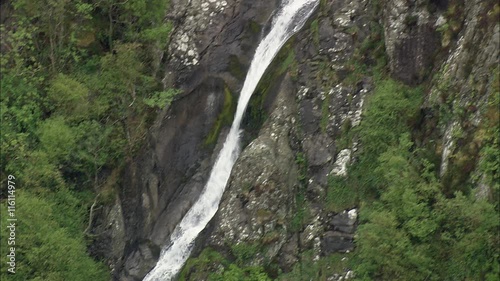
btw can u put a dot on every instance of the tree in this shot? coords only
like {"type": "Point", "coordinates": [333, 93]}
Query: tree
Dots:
{"type": "Point", "coordinates": [57, 139]}
{"type": "Point", "coordinates": [58, 22]}
{"type": "Point", "coordinates": [69, 97]}
{"type": "Point", "coordinates": [45, 250]}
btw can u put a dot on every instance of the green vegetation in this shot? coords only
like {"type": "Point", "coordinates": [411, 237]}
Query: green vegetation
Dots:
{"type": "Point", "coordinates": [211, 265]}
{"type": "Point", "coordinates": [50, 241]}
{"type": "Point", "coordinates": [315, 32]}
{"type": "Point", "coordinates": [78, 89]}
{"type": "Point", "coordinates": [454, 16]}
{"type": "Point", "coordinates": [301, 211]}
{"type": "Point", "coordinates": [488, 134]}
{"type": "Point", "coordinates": [414, 232]}
{"type": "Point", "coordinates": [225, 118]}
{"type": "Point", "coordinates": [284, 62]}
{"type": "Point", "coordinates": [320, 270]}
{"type": "Point", "coordinates": [414, 225]}
{"type": "Point", "coordinates": [389, 113]}
{"type": "Point", "coordinates": [340, 196]}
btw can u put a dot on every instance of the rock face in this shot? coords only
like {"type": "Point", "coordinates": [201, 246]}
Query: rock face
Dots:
{"type": "Point", "coordinates": [258, 200]}
{"type": "Point", "coordinates": [340, 237]}
{"type": "Point", "coordinates": [304, 141]}
{"type": "Point", "coordinates": [411, 38]}
{"type": "Point", "coordinates": [467, 72]}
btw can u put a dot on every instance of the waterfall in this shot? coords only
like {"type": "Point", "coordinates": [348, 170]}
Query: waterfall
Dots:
{"type": "Point", "coordinates": [290, 18]}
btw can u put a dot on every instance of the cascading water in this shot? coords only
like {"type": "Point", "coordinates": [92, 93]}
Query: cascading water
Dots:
{"type": "Point", "coordinates": [292, 16]}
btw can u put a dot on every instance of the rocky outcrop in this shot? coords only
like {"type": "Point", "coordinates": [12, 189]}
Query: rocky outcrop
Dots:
{"type": "Point", "coordinates": [411, 38]}
{"type": "Point", "coordinates": [257, 204]}
{"type": "Point", "coordinates": [340, 237]}
{"type": "Point", "coordinates": [461, 90]}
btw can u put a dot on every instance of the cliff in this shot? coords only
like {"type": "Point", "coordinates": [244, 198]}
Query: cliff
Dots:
{"type": "Point", "coordinates": [310, 162]}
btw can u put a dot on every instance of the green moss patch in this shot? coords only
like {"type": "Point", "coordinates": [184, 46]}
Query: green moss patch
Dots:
{"type": "Point", "coordinates": [225, 118]}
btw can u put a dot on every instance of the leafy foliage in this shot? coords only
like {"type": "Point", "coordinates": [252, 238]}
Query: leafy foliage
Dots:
{"type": "Point", "coordinates": [411, 229]}
{"type": "Point", "coordinates": [78, 80]}
{"type": "Point", "coordinates": [161, 99]}
{"type": "Point", "coordinates": [213, 266]}
{"type": "Point", "coordinates": [49, 243]}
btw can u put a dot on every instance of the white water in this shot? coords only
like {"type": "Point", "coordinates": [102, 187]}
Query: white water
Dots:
{"type": "Point", "coordinates": [291, 17]}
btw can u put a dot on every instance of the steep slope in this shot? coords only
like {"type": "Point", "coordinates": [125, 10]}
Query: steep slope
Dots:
{"type": "Point", "coordinates": [375, 103]}
{"type": "Point", "coordinates": [292, 198]}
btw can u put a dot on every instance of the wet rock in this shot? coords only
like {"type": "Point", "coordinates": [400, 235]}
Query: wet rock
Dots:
{"type": "Point", "coordinates": [256, 203]}
{"type": "Point", "coordinates": [140, 261]}
{"type": "Point", "coordinates": [161, 183]}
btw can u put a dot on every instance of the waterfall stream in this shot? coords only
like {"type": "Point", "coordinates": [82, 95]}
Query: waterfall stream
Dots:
{"type": "Point", "coordinates": [290, 18]}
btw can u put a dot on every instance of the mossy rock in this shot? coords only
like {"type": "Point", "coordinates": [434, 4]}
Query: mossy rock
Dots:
{"type": "Point", "coordinates": [225, 118]}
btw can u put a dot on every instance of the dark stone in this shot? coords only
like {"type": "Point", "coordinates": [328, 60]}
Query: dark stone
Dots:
{"type": "Point", "coordinates": [342, 219]}
{"type": "Point", "coordinates": [333, 241]}
{"type": "Point", "coordinates": [318, 150]}
{"type": "Point", "coordinates": [289, 253]}
{"type": "Point", "coordinates": [342, 223]}
{"type": "Point", "coordinates": [140, 261]}
{"type": "Point", "coordinates": [414, 54]}
{"type": "Point", "coordinates": [309, 118]}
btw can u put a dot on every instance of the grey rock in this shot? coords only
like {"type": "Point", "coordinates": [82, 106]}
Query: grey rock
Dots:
{"type": "Point", "coordinates": [411, 39]}
{"type": "Point", "coordinates": [333, 242]}
{"type": "Point", "coordinates": [317, 150]}
{"type": "Point", "coordinates": [259, 197]}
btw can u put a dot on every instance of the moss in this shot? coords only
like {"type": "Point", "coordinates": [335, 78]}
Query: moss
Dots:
{"type": "Point", "coordinates": [289, 60]}
{"type": "Point", "coordinates": [264, 215]}
{"type": "Point", "coordinates": [345, 139]}
{"type": "Point", "coordinates": [325, 75]}
{"type": "Point", "coordinates": [455, 18]}
{"type": "Point", "coordinates": [301, 213]}
{"type": "Point", "coordinates": [270, 238]}
{"type": "Point", "coordinates": [488, 136]}
{"type": "Point", "coordinates": [460, 167]}
{"type": "Point", "coordinates": [225, 117]}
{"type": "Point", "coordinates": [323, 6]}
{"type": "Point", "coordinates": [254, 27]}
{"type": "Point", "coordinates": [245, 252]}
{"type": "Point", "coordinates": [369, 59]}
{"type": "Point", "coordinates": [236, 68]}
{"type": "Point", "coordinates": [494, 14]}
{"type": "Point", "coordinates": [315, 32]}
{"type": "Point", "coordinates": [108, 191]}
{"type": "Point", "coordinates": [256, 114]}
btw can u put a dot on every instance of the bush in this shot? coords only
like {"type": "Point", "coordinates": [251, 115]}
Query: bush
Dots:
{"type": "Point", "coordinates": [44, 249]}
